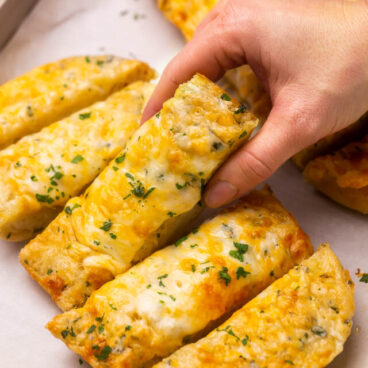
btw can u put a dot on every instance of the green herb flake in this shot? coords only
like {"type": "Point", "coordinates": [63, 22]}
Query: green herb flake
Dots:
{"type": "Point", "coordinates": [49, 271]}
{"type": "Point", "coordinates": [120, 159]}
{"type": "Point", "coordinates": [171, 214]}
{"type": "Point", "coordinates": [179, 241]}
{"type": "Point", "coordinates": [245, 340]}
{"type": "Point", "coordinates": [225, 97]}
{"type": "Point", "coordinates": [243, 134]}
{"type": "Point", "coordinates": [223, 274]}
{"type": "Point", "coordinates": [101, 329]}
{"type": "Point", "coordinates": [91, 329]}
{"type": "Point", "coordinates": [241, 110]}
{"type": "Point", "coordinates": [68, 210]}
{"type": "Point", "coordinates": [113, 307]}
{"type": "Point", "coordinates": [240, 272]}
{"type": "Point", "coordinates": [113, 236]}
{"type": "Point", "coordinates": [34, 178]}
{"type": "Point", "coordinates": [289, 362]}
{"type": "Point", "coordinates": [319, 331]}
{"type": "Point", "coordinates": [100, 319]}
{"type": "Point", "coordinates": [77, 159]}
{"type": "Point", "coordinates": [194, 245]}
{"type": "Point", "coordinates": [128, 328]}
{"type": "Point", "coordinates": [85, 115]}
{"type": "Point", "coordinates": [193, 268]}
{"type": "Point", "coordinates": [364, 278]}
{"type": "Point", "coordinates": [87, 59]}
{"type": "Point", "coordinates": [115, 168]}
{"type": "Point", "coordinates": [106, 225]}
{"type": "Point", "coordinates": [44, 198]}
{"type": "Point", "coordinates": [104, 354]}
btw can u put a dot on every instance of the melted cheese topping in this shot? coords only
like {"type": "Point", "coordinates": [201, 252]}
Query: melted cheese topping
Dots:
{"type": "Point", "coordinates": [54, 91]}
{"type": "Point", "coordinates": [177, 293]}
{"type": "Point", "coordinates": [129, 212]}
{"type": "Point", "coordinates": [301, 320]}
{"type": "Point", "coordinates": [39, 173]}
{"type": "Point", "coordinates": [343, 175]}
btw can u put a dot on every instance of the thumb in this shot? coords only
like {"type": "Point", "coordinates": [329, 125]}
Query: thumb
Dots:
{"type": "Point", "coordinates": [258, 159]}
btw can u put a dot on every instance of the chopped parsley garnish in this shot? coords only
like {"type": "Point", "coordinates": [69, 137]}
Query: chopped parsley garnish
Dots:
{"type": "Point", "coordinates": [193, 268]}
{"type": "Point", "coordinates": [195, 231]}
{"type": "Point", "coordinates": [240, 272]}
{"type": "Point", "coordinates": [120, 159]}
{"type": "Point", "coordinates": [128, 328]}
{"type": "Point", "coordinates": [171, 214]}
{"type": "Point", "coordinates": [243, 134]}
{"type": "Point", "coordinates": [225, 97]}
{"type": "Point", "coordinates": [206, 269]}
{"type": "Point", "coordinates": [241, 249]}
{"type": "Point", "coordinates": [289, 362]}
{"type": "Point", "coordinates": [223, 274]}
{"type": "Point", "coordinates": [44, 198]}
{"type": "Point", "coordinates": [34, 178]}
{"type": "Point", "coordinates": [179, 241]}
{"type": "Point", "coordinates": [245, 340]}
{"type": "Point", "coordinates": [77, 159]}
{"type": "Point", "coordinates": [100, 62]}
{"type": "Point", "coordinates": [194, 245]}
{"type": "Point", "coordinates": [113, 307]}
{"type": "Point", "coordinates": [67, 332]}
{"type": "Point", "coordinates": [101, 328]}
{"type": "Point", "coordinates": [49, 271]}
{"type": "Point", "coordinates": [91, 329]}
{"type": "Point", "coordinates": [100, 319]}
{"type": "Point", "coordinates": [180, 187]}
{"type": "Point", "coordinates": [68, 210]}
{"type": "Point", "coordinates": [87, 59]}
{"type": "Point", "coordinates": [104, 354]}
{"type": "Point", "coordinates": [113, 236]}
{"type": "Point", "coordinates": [138, 188]}
{"type": "Point", "coordinates": [319, 331]}
{"type": "Point", "coordinates": [364, 278]}
{"type": "Point", "coordinates": [158, 115]}
{"type": "Point", "coordinates": [85, 115]}
{"type": "Point", "coordinates": [242, 108]}
{"type": "Point", "coordinates": [115, 168]}
{"type": "Point", "coordinates": [106, 225]}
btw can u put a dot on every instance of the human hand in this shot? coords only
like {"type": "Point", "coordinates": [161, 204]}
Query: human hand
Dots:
{"type": "Point", "coordinates": [312, 58]}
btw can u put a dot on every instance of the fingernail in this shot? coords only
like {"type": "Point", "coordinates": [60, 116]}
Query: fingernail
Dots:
{"type": "Point", "coordinates": [220, 193]}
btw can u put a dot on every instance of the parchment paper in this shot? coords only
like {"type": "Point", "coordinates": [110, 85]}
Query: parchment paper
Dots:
{"type": "Point", "coordinates": [135, 28]}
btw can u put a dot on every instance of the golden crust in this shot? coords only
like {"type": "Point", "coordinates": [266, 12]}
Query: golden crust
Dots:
{"type": "Point", "coordinates": [38, 174]}
{"type": "Point", "coordinates": [186, 15]}
{"type": "Point", "coordinates": [53, 91]}
{"type": "Point", "coordinates": [144, 197]}
{"type": "Point", "coordinates": [343, 175]}
{"type": "Point", "coordinates": [179, 292]}
{"type": "Point", "coordinates": [301, 320]}
{"type": "Point", "coordinates": [332, 142]}
{"type": "Point", "coordinates": [249, 89]}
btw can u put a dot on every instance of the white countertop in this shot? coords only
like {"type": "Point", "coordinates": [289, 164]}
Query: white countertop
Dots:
{"type": "Point", "coordinates": [61, 28]}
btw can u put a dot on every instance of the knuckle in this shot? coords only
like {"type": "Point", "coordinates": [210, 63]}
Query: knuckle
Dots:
{"type": "Point", "coordinates": [250, 164]}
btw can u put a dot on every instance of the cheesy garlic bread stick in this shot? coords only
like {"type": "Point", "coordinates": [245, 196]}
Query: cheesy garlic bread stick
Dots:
{"type": "Point", "coordinates": [332, 142]}
{"type": "Point", "coordinates": [42, 171]}
{"type": "Point", "coordinates": [53, 91]}
{"type": "Point", "coordinates": [143, 198]}
{"type": "Point", "coordinates": [181, 291]}
{"type": "Point", "coordinates": [301, 320]}
{"type": "Point", "coordinates": [343, 175]}
{"type": "Point", "coordinates": [186, 15]}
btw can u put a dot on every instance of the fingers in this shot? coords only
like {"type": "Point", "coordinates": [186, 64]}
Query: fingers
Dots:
{"type": "Point", "coordinates": [209, 53]}
{"type": "Point", "coordinates": [256, 160]}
